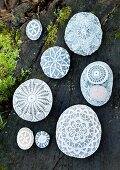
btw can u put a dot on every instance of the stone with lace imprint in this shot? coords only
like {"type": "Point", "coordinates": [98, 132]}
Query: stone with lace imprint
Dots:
{"type": "Point", "coordinates": [83, 33]}
{"type": "Point", "coordinates": [78, 131]}
{"type": "Point", "coordinates": [32, 100]}
{"type": "Point", "coordinates": [55, 62]}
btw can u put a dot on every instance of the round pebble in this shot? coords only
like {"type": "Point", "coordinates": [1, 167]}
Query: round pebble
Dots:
{"type": "Point", "coordinates": [34, 29]}
{"type": "Point", "coordinates": [42, 139]}
{"type": "Point", "coordinates": [78, 131]}
{"type": "Point", "coordinates": [98, 93]}
{"type": "Point", "coordinates": [55, 62]}
{"type": "Point", "coordinates": [32, 100]}
{"type": "Point", "coordinates": [25, 138]}
{"type": "Point", "coordinates": [83, 33]}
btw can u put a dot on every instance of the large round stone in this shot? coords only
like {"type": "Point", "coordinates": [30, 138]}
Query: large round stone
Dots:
{"type": "Point", "coordinates": [32, 100]}
{"type": "Point", "coordinates": [78, 131]}
{"type": "Point", "coordinates": [83, 33]}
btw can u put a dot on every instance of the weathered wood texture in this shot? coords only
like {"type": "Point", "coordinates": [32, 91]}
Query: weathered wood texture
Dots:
{"type": "Point", "coordinates": [67, 92]}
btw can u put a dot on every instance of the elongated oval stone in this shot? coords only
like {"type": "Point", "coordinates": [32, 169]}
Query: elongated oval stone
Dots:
{"type": "Point", "coordinates": [96, 83]}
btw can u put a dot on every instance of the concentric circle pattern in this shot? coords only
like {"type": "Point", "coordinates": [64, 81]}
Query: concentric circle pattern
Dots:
{"type": "Point", "coordinates": [55, 62]}
{"type": "Point", "coordinates": [42, 139]}
{"type": "Point", "coordinates": [83, 33]}
{"type": "Point", "coordinates": [32, 100]}
{"type": "Point", "coordinates": [97, 74]}
{"type": "Point", "coordinates": [34, 29]}
{"type": "Point", "coordinates": [25, 138]}
{"type": "Point", "coordinates": [78, 131]}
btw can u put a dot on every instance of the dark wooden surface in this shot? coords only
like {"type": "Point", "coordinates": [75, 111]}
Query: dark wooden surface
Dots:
{"type": "Point", "coordinates": [67, 92]}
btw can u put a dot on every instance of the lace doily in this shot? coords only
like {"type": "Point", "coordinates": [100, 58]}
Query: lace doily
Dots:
{"type": "Point", "coordinates": [83, 33]}
{"type": "Point", "coordinates": [78, 131]}
{"type": "Point", "coordinates": [55, 62]}
{"type": "Point", "coordinates": [97, 74]}
{"type": "Point", "coordinates": [32, 100]}
{"type": "Point", "coordinates": [42, 139]}
{"type": "Point", "coordinates": [25, 138]}
{"type": "Point", "coordinates": [34, 29]}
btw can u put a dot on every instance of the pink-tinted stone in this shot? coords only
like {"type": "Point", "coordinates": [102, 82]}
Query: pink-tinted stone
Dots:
{"type": "Point", "coordinates": [98, 93]}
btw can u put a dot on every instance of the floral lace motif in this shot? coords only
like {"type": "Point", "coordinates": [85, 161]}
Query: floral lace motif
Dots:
{"type": "Point", "coordinates": [32, 100]}
{"type": "Point", "coordinates": [55, 62]}
{"type": "Point", "coordinates": [78, 131]}
{"type": "Point", "coordinates": [83, 34]}
{"type": "Point", "coordinates": [34, 29]}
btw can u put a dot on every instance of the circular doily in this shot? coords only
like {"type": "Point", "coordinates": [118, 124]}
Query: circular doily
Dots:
{"type": "Point", "coordinates": [83, 33]}
{"type": "Point", "coordinates": [55, 62]}
{"type": "Point", "coordinates": [32, 100]}
{"type": "Point", "coordinates": [25, 138]}
{"type": "Point", "coordinates": [97, 74]}
{"type": "Point", "coordinates": [78, 131]}
{"type": "Point", "coordinates": [42, 139]}
{"type": "Point", "coordinates": [34, 29]}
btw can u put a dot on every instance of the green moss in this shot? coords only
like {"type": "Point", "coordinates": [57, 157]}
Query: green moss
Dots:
{"type": "Point", "coordinates": [52, 35]}
{"type": "Point", "coordinates": [2, 167]}
{"type": "Point", "coordinates": [61, 16]}
{"type": "Point", "coordinates": [9, 51]}
{"type": "Point", "coordinates": [117, 35]}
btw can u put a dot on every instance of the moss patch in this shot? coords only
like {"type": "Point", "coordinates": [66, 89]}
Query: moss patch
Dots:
{"type": "Point", "coordinates": [61, 16]}
{"type": "Point", "coordinates": [9, 51]}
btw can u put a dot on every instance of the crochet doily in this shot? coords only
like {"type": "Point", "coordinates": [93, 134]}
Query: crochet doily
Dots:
{"type": "Point", "coordinates": [32, 100]}
{"type": "Point", "coordinates": [78, 131]}
{"type": "Point", "coordinates": [34, 29]}
{"type": "Point", "coordinates": [96, 73]}
{"type": "Point", "coordinates": [55, 62]}
{"type": "Point", "coordinates": [83, 33]}
{"type": "Point", "coordinates": [42, 139]}
{"type": "Point", "coordinates": [25, 138]}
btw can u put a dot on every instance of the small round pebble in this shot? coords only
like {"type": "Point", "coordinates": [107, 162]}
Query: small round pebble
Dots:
{"type": "Point", "coordinates": [34, 29]}
{"type": "Point", "coordinates": [25, 138]}
{"type": "Point", "coordinates": [42, 139]}
{"type": "Point", "coordinates": [98, 93]}
{"type": "Point", "coordinates": [55, 62]}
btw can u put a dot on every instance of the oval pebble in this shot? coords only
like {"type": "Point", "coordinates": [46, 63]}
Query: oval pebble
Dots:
{"type": "Point", "coordinates": [34, 29]}
{"type": "Point", "coordinates": [96, 83]}
{"type": "Point", "coordinates": [25, 138]}
{"type": "Point", "coordinates": [78, 131]}
{"type": "Point", "coordinates": [83, 33]}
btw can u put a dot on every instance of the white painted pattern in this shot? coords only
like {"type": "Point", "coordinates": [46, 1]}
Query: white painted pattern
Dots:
{"type": "Point", "coordinates": [83, 33]}
{"type": "Point", "coordinates": [33, 100]}
{"type": "Point", "coordinates": [78, 131]}
{"type": "Point", "coordinates": [55, 62]}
